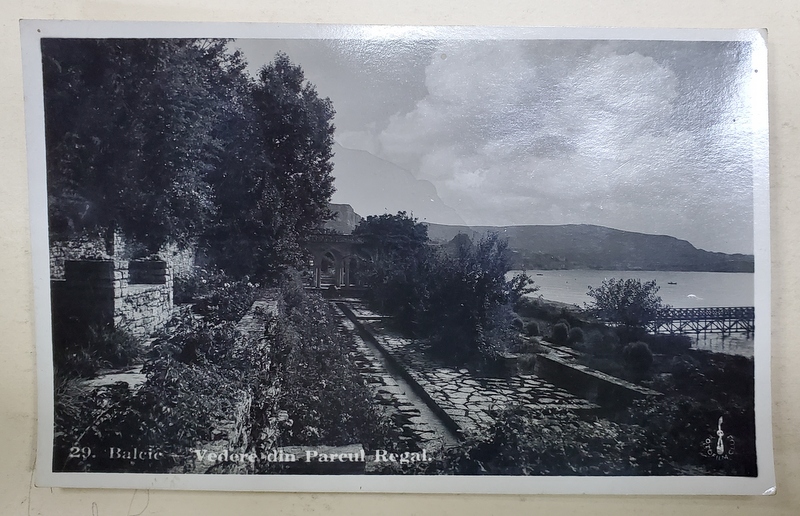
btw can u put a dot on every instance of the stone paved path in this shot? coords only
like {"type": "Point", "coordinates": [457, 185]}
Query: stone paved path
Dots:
{"type": "Point", "coordinates": [419, 427]}
{"type": "Point", "coordinates": [470, 401]}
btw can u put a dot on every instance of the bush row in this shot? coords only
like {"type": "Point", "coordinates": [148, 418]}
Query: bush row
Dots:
{"type": "Point", "coordinates": [315, 383]}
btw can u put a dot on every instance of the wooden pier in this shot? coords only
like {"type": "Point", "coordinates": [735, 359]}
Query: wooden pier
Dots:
{"type": "Point", "coordinates": [724, 320]}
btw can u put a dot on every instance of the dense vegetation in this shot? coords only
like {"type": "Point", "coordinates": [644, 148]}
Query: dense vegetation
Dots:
{"type": "Point", "coordinates": [313, 381]}
{"type": "Point", "coordinates": [671, 431]}
{"type": "Point", "coordinates": [630, 303]}
{"type": "Point", "coordinates": [456, 297]}
{"type": "Point", "coordinates": [200, 378]}
{"type": "Point", "coordinates": [206, 386]}
{"type": "Point", "coordinates": [170, 140]}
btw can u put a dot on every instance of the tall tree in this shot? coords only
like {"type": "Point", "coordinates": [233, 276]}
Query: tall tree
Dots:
{"type": "Point", "coordinates": [170, 140]}
{"type": "Point", "coordinates": [131, 133]}
{"type": "Point", "coordinates": [278, 181]}
{"type": "Point", "coordinates": [396, 255]}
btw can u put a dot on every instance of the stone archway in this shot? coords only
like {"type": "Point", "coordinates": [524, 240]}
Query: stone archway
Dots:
{"type": "Point", "coordinates": [339, 250]}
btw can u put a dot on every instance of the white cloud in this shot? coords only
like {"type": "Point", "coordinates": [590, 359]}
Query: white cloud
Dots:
{"type": "Point", "coordinates": [509, 136]}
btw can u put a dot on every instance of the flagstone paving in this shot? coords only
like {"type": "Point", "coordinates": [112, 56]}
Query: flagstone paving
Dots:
{"type": "Point", "coordinates": [470, 401]}
{"type": "Point", "coordinates": [418, 427]}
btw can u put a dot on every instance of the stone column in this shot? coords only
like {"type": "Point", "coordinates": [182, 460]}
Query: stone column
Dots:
{"type": "Point", "coordinates": [317, 271]}
{"type": "Point", "coordinates": [337, 274]}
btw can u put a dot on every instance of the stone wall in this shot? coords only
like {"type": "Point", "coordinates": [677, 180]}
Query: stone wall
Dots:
{"type": "Point", "coordinates": [113, 246]}
{"type": "Point", "coordinates": [182, 260]}
{"type": "Point", "coordinates": [85, 247]}
{"type": "Point", "coordinates": [142, 296]}
{"type": "Point", "coordinates": [132, 295]}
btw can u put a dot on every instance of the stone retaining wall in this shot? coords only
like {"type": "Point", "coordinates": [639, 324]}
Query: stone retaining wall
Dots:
{"type": "Point", "coordinates": [596, 386]}
{"type": "Point", "coordinates": [113, 246]}
{"type": "Point", "coordinates": [84, 247]}
{"type": "Point", "coordinates": [136, 296]}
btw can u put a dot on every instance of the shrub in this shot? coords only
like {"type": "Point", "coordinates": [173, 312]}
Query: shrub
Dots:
{"type": "Point", "coordinates": [628, 334]}
{"type": "Point", "coordinates": [527, 363]}
{"type": "Point", "coordinates": [203, 341]}
{"type": "Point", "coordinates": [532, 329]}
{"type": "Point", "coordinates": [198, 377]}
{"type": "Point", "coordinates": [320, 389]}
{"type": "Point", "coordinates": [517, 323]}
{"type": "Point", "coordinates": [533, 346]}
{"type": "Point", "coordinates": [83, 353]}
{"type": "Point", "coordinates": [467, 310]}
{"type": "Point", "coordinates": [600, 343]}
{"type": "Point", "coordinates": [678, 426]}
{"type": "Point", "coordinates": [552, 442]}
{"type": "Point", "coordinates": [565, 322]}
{"type": "Point", "coordinates": [638, 358]}
{"type": "Point", "coordinates": [116, 347]}
{"type": "Point", "coordinates": [575, 336]}
{"type": "Point", "coordinates": [456, 297]}
{"type": "Point", "coordinates": [188, 289]}
{"type": "Point", "coordinates": [669, 344]}
{"type": "Point", "coordinates": [559, 334]}
{"type": "Point", "coordinates": [626, 302]}
{"type": "Point", "coordinates": [223, 299]}
{"type": "Point", "coordinates": [536, 308]}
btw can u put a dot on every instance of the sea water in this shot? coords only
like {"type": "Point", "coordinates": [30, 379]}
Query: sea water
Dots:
{"type": "Point", "coordinates": [677, 289]}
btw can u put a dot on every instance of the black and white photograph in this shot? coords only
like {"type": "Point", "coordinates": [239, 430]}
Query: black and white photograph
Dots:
{"type": "Point", "coordinates": [320, 258]}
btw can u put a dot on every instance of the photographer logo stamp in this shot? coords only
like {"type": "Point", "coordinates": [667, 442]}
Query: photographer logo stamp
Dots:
{"type": "Point", "coordinates": [720, 447]}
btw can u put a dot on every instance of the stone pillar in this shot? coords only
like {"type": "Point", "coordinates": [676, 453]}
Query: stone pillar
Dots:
{"type": "Point", "coordinates": [337, 274]}
{"type": "Point", "coordinates": [317, 271]}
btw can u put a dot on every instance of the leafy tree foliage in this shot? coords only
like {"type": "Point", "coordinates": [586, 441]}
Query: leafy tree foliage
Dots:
{"type": "Point", "coordinates": [170, 140]}
{"type": "Point", "coordinates": [397, 257]}
{"type": "Point", "coordinates": [276, 182]}
{"type": "Point", "coordinates": [130, 131]}
{"type": "Point", "coordinates": [468, 312]}
{"type": "Point", "coordinates": [459, 300]}
{"type": "Point", "coordinates": [627, 302]}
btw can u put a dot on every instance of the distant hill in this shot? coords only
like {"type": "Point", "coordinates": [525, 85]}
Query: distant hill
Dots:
{"type": "Point", "coordinates": [583, 246]}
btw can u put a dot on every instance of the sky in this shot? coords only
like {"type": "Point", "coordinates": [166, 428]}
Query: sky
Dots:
{"type": "Point", "coordinates": [654, 137]}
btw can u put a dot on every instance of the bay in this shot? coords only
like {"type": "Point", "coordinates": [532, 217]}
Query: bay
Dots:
{"type": "Point", "coordinates": [677, 289]}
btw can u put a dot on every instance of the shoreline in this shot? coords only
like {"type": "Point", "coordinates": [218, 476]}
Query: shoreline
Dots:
{"type": "Point", "coordinates": [737, 344]}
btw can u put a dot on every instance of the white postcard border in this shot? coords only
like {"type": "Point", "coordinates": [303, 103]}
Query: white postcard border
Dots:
{"type": "Point", "coordinates": [33, 30]}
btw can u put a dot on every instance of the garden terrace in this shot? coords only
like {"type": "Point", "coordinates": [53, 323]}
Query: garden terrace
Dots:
{"type": "Point", "coordinates": [465, 402]}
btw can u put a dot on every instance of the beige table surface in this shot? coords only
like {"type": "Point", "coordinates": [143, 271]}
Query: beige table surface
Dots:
{"type": "Point", "coordinates": [17, 379]}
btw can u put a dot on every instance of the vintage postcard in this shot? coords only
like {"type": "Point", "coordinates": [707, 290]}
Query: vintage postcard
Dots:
{"type": "Point", "coordinates": [400, 259]}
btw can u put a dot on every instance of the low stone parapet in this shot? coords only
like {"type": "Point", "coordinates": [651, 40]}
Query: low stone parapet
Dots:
{"type": "Point", "coordinates": [598, 387]}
